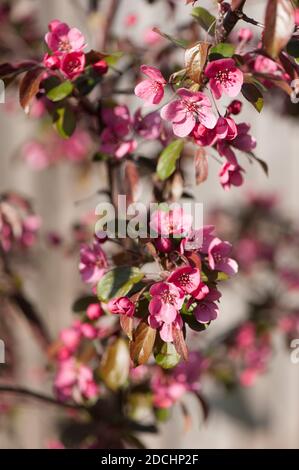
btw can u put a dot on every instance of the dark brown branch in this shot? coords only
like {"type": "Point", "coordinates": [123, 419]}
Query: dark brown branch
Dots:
{"type": "Point", "coordinates": [230, 20]}
{"type": "Point", "coordinates": [25, 392]}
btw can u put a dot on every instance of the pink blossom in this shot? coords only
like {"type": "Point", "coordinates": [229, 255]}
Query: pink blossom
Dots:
{"type": "Point", "coordinates": [245, 35]}
{"type": "Point", "coordinates": [206, 311]}
{"type": "Point", "coordinates": [112, 145]}
{"type": "Point", "coordinates": [164, 245]}
{"type": "Point", "coordinates": [72, 64]}
{"type": "Point", "coordinates": [166, 390]}
{"type": "Point", "coordinates": [148, 127]}
{"type": "Point", "coordinates": [225, 129]}
{"type": "Point", "coordinates": [152, 38]}
{"type": "Point", "coordinates": [101, 67]}
{"type": "Point", "coordinates": [219, 259]}
{"type": "Point", "coordinates": [243, 141]}
{"type": "Point", "coordinates": [151, 90]}
{"type": "Point", "coordinates": [231, 175]}
{"type": "Point", "coordinates": [93, 262]}
{"type": "Point", "coordinates": [77, 147]}
{"type": "Point", "coordinates": [94, 311]}
{"type": "Point", "coordinates": [130, 20]}
{"type": "Point", "coordinates": [89, 331]}
{"type": "Point", "coordinates": [122, 306]}
{"type": "Point", "coordinates": [36, 155]}
{"type": "Point", "coordinates": [166, 300]}
{"type": "Point", "coordinates": [114, 140]}
{"type": "Point", "coordinates": [265, 65]}
{"type": "Point", "coordinates": [174, 222]}
{"type": "Point", "coordinates": [186, 278]}
{"type": "Point", "coordinates": [62, 39]}
{"type": "Point", "coordinates": [189, 109]}
{"type": "Point", "coordinates": [199, 239]}
{"type": "Point", "coordinates": [224, 77]}
{"type": "Point", "coordinates": [72, 378]}
{"type": "Point", "coordinates": [71, 338]}
{"type": "Point", "coordinates": [51, 61]}
{"type": "Point", "coordinates": [296, 14]}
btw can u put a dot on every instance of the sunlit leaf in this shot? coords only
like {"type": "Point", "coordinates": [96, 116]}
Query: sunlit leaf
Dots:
{"type": "Point", "coordinates": [60, 91]}
{"type": "Point", "coordinates": [167, 160]}
{"type": "Point", "coordinates": [64, 121]}
{"type": "Point", "coordinates": [118, 282]}
{"type": "Point", "coordinates": [279, 26]}
{"type": "Point", "coordinates": [201, 165]}
{"type": "Point", "coordinates": [115, 365]}
{"type": "Point", "coordinates": [195, 59]}
{"type": "Point", "coordinates": [205, 19]}
{"type": "Point", "coordinates": [143, 342]}
{"type": "Point", "coordinates": [29, 87]}
{"type": "Point", "coordinates": [166, 356]}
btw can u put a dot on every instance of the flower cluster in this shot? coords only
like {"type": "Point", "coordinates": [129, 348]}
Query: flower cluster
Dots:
{"type": "Point", "coordinates": [18, 224]}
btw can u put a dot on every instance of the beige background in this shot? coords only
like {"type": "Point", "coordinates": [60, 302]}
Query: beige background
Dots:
{"type": "Point", "coordinates": [53, 281]}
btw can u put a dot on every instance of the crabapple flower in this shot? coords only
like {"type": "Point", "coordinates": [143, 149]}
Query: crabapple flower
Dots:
{"type": "Point", "coordinates": [122, 306]}
{"type": "Point", "coordinates": [230, 175]}
{"type": "Point", "coordinates": [174, 222]}
{"type": "Point", "coordinates": [112, 145]}
{"type": "Point", "coordinates": [101, 67]}
{"type": "Point", "coordinates": [151, 90]}
{"type": "Point", "coordinates": [72, 378]}
{"type": "Point", "coordinates": [51, 61]}
{"type": "Point", "coordinates": [207, 310]}
{"type": "Point", "coordinates": [191, 108]}
{"type": "Point", "coordinates": [166, 301]}
{"type": "Point", "coordinates": [93, 262]}
{"type": "Point", "coordinates": [148, 127]}
{"type": "Point", "coordinates": [114, 140]}
{"type": "Point", "coordinates": [245, 35]}
{"type": "Point", "coordinates": [164, 245]}
{"type": "Point", "coordinates": [243, 141]}
{"type": "Point", "coordinates": [218, 257]}
{"type": "Point", "coordinates": [186, 278]}
{"type": "Point", "coordinates": [72, 64]}
{"type": "Point", "coordinates": [62, 39]}
{"type": "Point", "coordinates": [224, 77]}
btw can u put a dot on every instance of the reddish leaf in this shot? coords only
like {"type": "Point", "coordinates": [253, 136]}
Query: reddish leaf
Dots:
{"type": "Point", "coordinates": [179, 343]}
{"type": "Point", "coordinates": [204, 405]}
{"type": "Point", "coordinates": [143, 342]}
{"type": "Point", "coordinates": [29, 86]}
{"type": "Point", "coordinates": [127, 325]}
{"type": "Point", "coordinates": [279, 25]}
{"type": "Point", "coordinates": [195, 259]}
{"type": "Point", "coordinates": [7, 69]}
{"type": "Point", "coordinates": [131, 181]}
{"type": "Point", "coordinates": [201, 166]}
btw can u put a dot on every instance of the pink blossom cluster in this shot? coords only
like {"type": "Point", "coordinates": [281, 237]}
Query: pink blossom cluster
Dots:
{"type": "Point", "coordinates": [187, 288]}
{"type": "Point", "coordinates": [40, 155]}
{"type": "Point", "coordinates": [18, 224]}
{"type": "Point", "coordinates": [119, 137]}
{"type": "Point", "coordinates": [191, 114]}
{"type": "Point", "coordinates": [250, 352]}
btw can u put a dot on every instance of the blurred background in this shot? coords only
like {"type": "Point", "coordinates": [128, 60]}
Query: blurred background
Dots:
{"type": "Point", "coordinates": [265, 415]}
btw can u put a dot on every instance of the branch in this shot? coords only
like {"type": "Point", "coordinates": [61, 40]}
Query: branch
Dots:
{"type": "Point", "coordinates": [39, 396]}
{"type": "Point", "coordinates": [110, 14]}
{"type": "Point", "coordinates": [230, 20]}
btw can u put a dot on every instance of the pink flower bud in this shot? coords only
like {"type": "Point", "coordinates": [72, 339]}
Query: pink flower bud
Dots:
{"type": "Point", "coordinates": [94, 311]}
{"type": "Point", "coordinates": [122, 306]}
{"type": "Point", "coordinates": [164, 245]}
{"type": "Point", "coordinates": [245, 35]}
{"type": "Point", "coordinates": [51, 61]}
{"type": "Point", "coordinates": [101, 67]}
{"type": "Point", "coordinates": [235, 107]}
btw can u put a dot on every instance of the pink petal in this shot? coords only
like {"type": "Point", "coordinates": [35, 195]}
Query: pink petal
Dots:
{"type": "Point", "coordinates": [166, 333]}
{"type": "Point", "coordinates": [184, 127]}
{"type": "Point", "coordinates": [153, 73]}
{"type": "Point", "coordinates": [173, 111]}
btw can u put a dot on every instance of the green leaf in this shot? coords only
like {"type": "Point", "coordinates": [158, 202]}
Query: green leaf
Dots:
{"type": "Point", "coordinates": [64, 121]}
{"type": "Point", "coordinates": [113, 58]}
{"type": "Point", "coordinates": [118, 282]}
{"type": "Point", "coordinates": [205, 19]}
{"type": "Point", "coordinates": [60, 91]}
{"type": "Point", "coordinates": [177, 42]}
{"type": "Point", "coordinates": [167, 356]}
{"type": "Point", "coordinates": [222, 276]}
{"type": "Point", "coordinates": [115, 365]}
{"type": "Point", "coordinates": [81, 304]}
{"type": "Point", "coordinates": [221, 50]}
{"type": "Point", "coordinates": [253, 95]}
{"type": "Point", "coordinates": [293, 49]}
{"type": "Point", "coordinates": [167, 160]}
{"type": "Point", "coordinates": [261, 162]}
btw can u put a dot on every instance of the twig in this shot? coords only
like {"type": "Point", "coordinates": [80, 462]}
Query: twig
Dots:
{"type": "Point", "coordinates": [39, 396]}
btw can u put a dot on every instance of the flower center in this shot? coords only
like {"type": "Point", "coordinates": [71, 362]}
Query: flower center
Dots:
{"type": "Point", "coordinates": [185, 280]}
{"type": "Point", "coordinates": [73, 64]}
{"type": "Point", "coordinates": [191, 106]}
{"type": "Point", "coordinates": [64, 45]}
{"type": "Point", "coordinates": [168, 298]}
{"type": "Point", "coordinates": [224, 76]}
